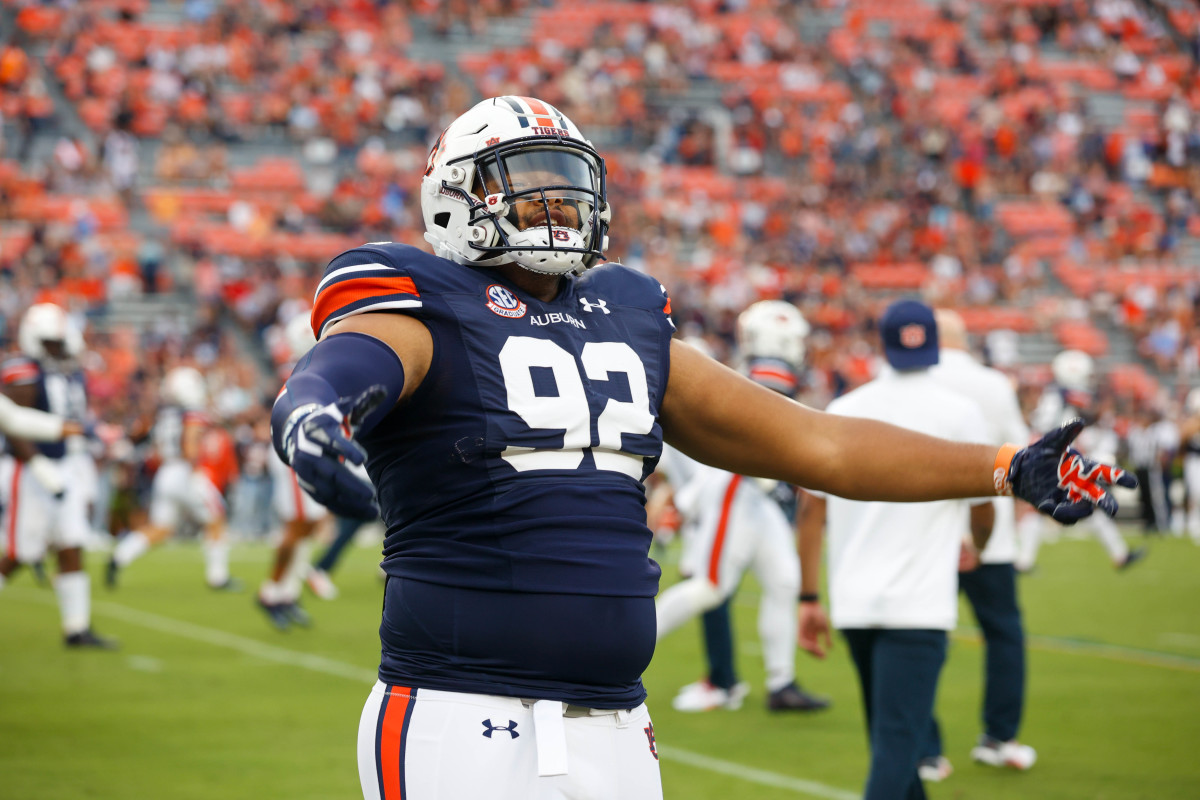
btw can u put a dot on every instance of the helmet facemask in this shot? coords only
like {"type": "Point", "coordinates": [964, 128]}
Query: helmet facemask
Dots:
{"type": "Point", "coordinates": [534, 201]}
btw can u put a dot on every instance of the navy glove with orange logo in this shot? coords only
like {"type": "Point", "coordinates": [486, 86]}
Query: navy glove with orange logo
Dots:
{"type": "Point", "coordinates": [1056, 479]}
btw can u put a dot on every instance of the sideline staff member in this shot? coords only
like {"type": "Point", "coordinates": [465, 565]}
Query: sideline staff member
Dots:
{"type": "Point", "coordinates": [893, 566]}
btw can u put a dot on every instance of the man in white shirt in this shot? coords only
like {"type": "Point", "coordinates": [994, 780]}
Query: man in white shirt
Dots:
{"type": "Point", "coordinates": [989, 580]}
{"type": "Point", "coordinates": [892, 566]}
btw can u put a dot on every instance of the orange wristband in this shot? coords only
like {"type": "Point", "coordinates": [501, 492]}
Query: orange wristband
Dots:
{"type": "Point", "coordinates": [1000, 469]}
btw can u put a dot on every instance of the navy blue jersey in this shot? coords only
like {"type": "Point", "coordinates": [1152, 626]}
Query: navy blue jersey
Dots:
{"type": "Point", "coordinates": [59, 393]}
{"type": "Point", "coordinates": [514, 474]}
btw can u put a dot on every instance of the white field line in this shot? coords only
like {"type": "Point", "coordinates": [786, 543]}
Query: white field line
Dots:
{"type": "Point", "coordinates": [759, 776]}
{"type": "Point", "coordinates": [340, 669]}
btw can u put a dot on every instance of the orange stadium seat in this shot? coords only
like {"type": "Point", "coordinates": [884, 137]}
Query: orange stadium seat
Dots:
{"type": "Point", "coordinates": [980, 319]}
{"type": "Point", "coordinates": [1081, 335]}
{"type": "Point", "coordinates": [891, 276]}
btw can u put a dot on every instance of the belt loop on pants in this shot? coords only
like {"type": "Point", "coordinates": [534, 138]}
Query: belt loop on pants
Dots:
{"type": "Point", "coordinates": [551, 736]}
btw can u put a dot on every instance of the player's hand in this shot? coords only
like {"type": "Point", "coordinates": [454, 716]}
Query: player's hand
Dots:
{"type": "Point", "coordinates": [814, 633]}
{"type": "Point", "coordinates": [319, 443]}
{"type": "Point", "coordinates": [968, 557]}
{"type": "Point", "coordinates": [1058, 481]}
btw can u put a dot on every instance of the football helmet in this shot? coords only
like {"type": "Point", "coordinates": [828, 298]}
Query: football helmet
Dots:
{"type": "Point", "coordinates": [1073, 370]}
{"type": "Point", "coordinates": [299, 336]}
{"type": "Point", "coordinates": [185, 387]}
{"type": "Point", "coordinates": [514, 180]}
{"type": "Point", "coordinates": [46, 333]}
{"type": "Point", "coordinates": [772, 329]}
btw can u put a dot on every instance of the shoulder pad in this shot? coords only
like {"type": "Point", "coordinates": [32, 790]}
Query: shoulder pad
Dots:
{"type": "Point", "coordinates": [19, 371]}
{"type": "Point", "coordinates": [378, 276]}
{"type": "Point", "coordinates": [625, 286]}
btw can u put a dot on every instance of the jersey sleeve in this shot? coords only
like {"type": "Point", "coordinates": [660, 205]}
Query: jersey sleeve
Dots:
{"type": "Point", "coordinates": [362, 281]}
{"type": "Point", "coordinates": [18, 371]}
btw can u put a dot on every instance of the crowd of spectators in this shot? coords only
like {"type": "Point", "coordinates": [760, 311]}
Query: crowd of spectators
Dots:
{"type": "Point", "coordinates": [1032, 163]}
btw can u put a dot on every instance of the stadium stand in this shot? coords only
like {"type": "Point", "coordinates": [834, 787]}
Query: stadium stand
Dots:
{"type": "Point", "coordinates": [179, 173]}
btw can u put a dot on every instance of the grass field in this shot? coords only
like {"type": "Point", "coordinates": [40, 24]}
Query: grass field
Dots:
{"type": "Point", "coordinates": [204, 700]}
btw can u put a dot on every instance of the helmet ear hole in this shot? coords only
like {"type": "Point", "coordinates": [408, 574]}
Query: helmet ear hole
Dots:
{"type": "Point", "coordinates": [442, 219]}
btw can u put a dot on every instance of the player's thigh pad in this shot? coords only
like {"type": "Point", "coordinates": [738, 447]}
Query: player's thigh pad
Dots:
{"type": "Point", "coordinates": [169, 493]}
{"type": "Point", "coordinates": [420, 744]}
{"type": "Point", "coordinates": [74, 525]}
{"type": "Point", "coordinates": [29, 513]}
{"type": "Point", "coordinates": [726, 534]}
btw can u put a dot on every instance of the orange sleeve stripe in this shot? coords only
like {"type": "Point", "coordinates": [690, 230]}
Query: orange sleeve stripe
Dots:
{"type": "Point", "coordinates": [351, 291]}
{"type": "Point", "coordinates": [18, 372]}
{"type": "Point", "coordinates": [667, 307]}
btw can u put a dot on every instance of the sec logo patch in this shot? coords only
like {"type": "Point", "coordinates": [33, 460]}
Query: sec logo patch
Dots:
{"type": "Point", "coordinates": [503, 302]}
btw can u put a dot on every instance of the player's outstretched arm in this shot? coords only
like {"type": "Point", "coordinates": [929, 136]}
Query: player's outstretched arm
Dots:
{"type": "Point", "coordinates": [34, 425]}
{"type": "Point", "coordinates": [349, 381]}
{"type": "Point", "coordinates": [718, 417]}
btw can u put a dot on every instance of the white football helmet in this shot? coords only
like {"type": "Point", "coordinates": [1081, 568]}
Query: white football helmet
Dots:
{"type": "Point", "coordinates": [514, 180]}
{"type": "Point", "coordinates": [299, 336]}
{"type": "Point", "coordinates": [185, 387]}
{"type": "Point", "coordinates": [43, 325]}
{"type": "Point", "coordinates": [1192, 403]}
{"type": "Point", "coordinates": [1073, 370]}
{"type": "Point", "coordinates": [773, 329]}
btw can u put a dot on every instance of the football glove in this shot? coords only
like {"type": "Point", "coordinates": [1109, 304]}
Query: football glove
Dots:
{"type": "Point", "coordinates": [319, 440]}
{"type": "Point", "coordinates": [1057, 480]}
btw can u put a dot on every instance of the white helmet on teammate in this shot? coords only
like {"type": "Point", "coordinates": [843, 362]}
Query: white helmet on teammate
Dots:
{"type": "Point", "coordinates": [185, 387]}
{"type": "Point", "coordinates": [1192, 403]}
{"type": "Point", "coordinates": [299, 336]}
{"type": "Point", "coordinates": [46, 332]}
{"type": "Point", "coordinates": [773, 329]}
{"type": "Point", "coordinates": [514, 180]}
{"type": "Point", "coordinates": [1073, 370]}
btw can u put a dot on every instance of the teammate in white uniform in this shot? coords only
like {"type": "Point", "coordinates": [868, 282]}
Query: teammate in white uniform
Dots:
{"type": "Point", "coordinates": [279, 594]}
{"type": "Point", "coordinates": [1070, 397]}
{"type": "Point", "coordinates": [988, 578]}
{"type": "Point", "coordinates": [1189, 442]}
{"type": "Point", "coordinates": [46, 489]}
{"type": "Point", "coordinates": [182, 489]}
{"type": "Point", "coordinates": [892, 566]}
{"type": "Point", "coordinates": [733, 524]}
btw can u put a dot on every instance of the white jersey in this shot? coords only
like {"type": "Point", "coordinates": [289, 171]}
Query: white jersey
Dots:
{"type": "Point", "coordinates": [895, 565]}
{"type": "Point", "coordinates": [992, 391]}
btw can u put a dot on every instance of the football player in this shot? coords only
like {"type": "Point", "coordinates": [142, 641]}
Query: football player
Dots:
{"type": "Point", "coordinates": [279, 594]}
{"type": "Point", "coordinates": [187, 485]}
{"type": "Point", "coordinates": [509, 394]}
{"type": "Point", "coordinates": [732, 524]}
{"type": "Point", "coordinates": [46, 488]}
{"type": "Point", "coordinates": [1071, 396]}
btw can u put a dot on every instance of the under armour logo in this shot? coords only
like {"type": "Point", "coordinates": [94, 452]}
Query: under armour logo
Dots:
{"type": "Point", "coordinates": [603, 306]}
{"type": "Point", "coordinates": [510, 728]}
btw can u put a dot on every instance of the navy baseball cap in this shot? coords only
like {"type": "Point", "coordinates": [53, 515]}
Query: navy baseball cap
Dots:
{"type": "Point", "coordinates": [909, 333]}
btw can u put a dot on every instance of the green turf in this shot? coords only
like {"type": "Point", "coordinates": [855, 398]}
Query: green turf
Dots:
{"type": "Point", "coordinates": [205, 700]}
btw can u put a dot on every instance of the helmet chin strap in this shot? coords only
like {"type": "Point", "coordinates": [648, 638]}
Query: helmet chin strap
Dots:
{"type": "Point", "coordinates": [548, 262]}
